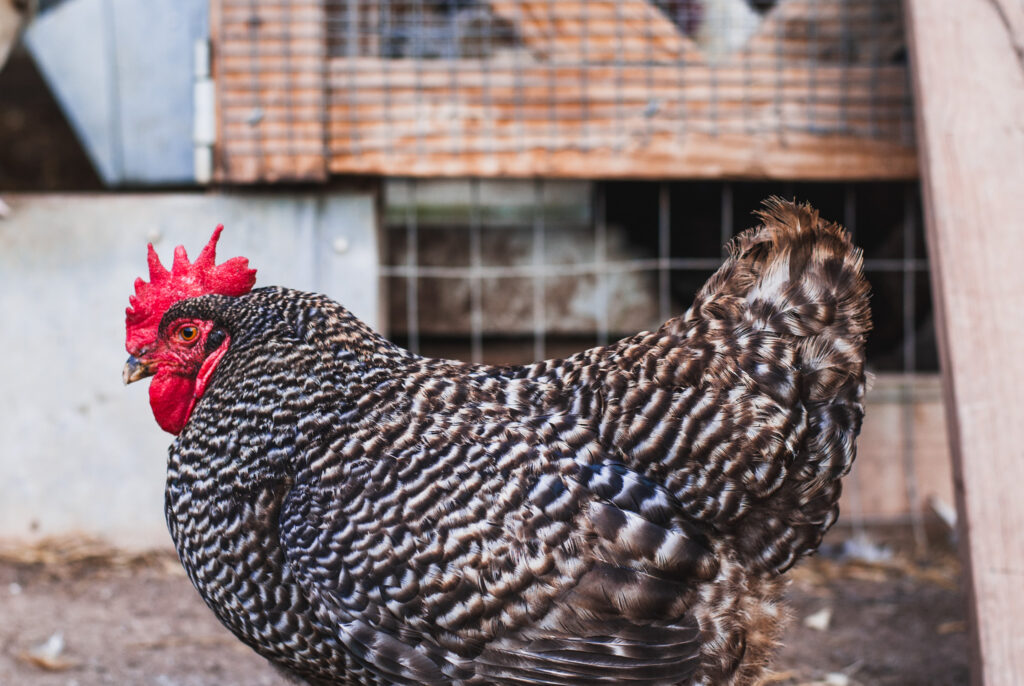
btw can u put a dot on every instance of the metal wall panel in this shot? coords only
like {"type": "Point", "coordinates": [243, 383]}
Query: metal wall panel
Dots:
{"type": "Point", "coordinates": [122, 71]}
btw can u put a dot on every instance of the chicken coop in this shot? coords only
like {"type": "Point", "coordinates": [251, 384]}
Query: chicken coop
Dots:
{"type": "Point", "coordinates": [647, 133]}
{"type": "Point", "coordinates": [505, 181]}
{"type": "Point", "coordinates": [813, 89]}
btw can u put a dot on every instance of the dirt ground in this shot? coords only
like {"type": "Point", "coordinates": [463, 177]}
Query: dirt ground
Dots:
{"type": "Point", "coordinates": [74, 614]}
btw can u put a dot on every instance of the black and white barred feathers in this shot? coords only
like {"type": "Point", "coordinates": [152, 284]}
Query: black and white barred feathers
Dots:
{"type": "Point", "coordinates": [361, 515]}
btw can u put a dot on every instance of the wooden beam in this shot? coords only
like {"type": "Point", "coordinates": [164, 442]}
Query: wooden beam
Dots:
{"type": "Point", "coordinates": [598, 89]}
{"type": "Point", "coordinates": [694, 155]}
{"type": "Point", "coordinates": [968, 67]}
{"type": "Point", "coordinates": [879, 492]}
{"type": "Point", "coordinates": [596, 30]}
{"type": "Point", "coordinates": [474, 118]}
{"type": "Point", "coordinates": [831, 31]}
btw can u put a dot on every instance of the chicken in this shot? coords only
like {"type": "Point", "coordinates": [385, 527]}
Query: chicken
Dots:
{"type": "Point", "coordinates": [358, 514]}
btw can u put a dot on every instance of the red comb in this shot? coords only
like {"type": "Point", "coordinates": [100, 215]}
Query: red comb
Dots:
{"type": "Point", "coordinates": [185, 280]}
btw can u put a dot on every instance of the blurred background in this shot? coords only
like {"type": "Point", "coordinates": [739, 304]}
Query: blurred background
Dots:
{"type": "Point", "coordinates": [489, 180]}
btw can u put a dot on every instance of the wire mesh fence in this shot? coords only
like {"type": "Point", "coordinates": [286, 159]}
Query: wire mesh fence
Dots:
{"type": "Point", "coordinates": [570, 88]}
{"type": "Point", "coordinates": [512, 272]}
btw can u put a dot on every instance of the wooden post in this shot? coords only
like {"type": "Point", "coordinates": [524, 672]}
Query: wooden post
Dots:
{"type": "Point", "coordinates": [967, 59]}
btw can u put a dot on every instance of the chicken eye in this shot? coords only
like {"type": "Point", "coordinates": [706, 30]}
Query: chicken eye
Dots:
{"type": "Point", "coordinates": [188, 333]}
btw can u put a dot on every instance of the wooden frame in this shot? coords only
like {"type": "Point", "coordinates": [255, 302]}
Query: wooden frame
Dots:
{"type": "Point", "coordinates": [626, 96]}
{"type": "Point", "coordinates": [601, 121]}
{"type": "Point", "coordinates": [969, 78]}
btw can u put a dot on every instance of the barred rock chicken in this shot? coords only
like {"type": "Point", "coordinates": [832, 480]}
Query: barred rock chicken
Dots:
{"type": "Point", "coordinates": [358, 514]}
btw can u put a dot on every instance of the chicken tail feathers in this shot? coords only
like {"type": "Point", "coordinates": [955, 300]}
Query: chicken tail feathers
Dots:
{"type": "Point", "coordinates": [797, 275]}
{"type": "Point", "coordinates": [782, 325]}
{"type": "Point", "coordinates": [812, 280]}
{"type": "Point", "coordinates": [800, 278]}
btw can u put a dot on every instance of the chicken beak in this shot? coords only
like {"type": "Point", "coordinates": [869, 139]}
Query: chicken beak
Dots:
{"type": "Point", "coordinates": [136, 370]}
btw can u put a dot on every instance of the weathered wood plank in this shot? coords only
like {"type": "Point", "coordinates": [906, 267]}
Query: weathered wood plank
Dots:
{"type": "Point", "coordinates": [599, 121]}
{"type": "Point", "coordinates": [272, 54]}
{"type": "Point", "coordinates": [969, 79]}
{"type": "Point", "coordinates": [880, 492]}
{"type": "Point", "coordinates": [599, 89]}
{"type": "Point", "coordinates": [696, 155]}
{"type": "Point", "coordinates": [597, 30]}
{"type": "Point", "coordinates": [832, 31]}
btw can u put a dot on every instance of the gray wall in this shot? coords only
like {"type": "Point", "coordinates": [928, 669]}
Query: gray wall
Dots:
{"type": "Point", "coordinates": [81, 453]}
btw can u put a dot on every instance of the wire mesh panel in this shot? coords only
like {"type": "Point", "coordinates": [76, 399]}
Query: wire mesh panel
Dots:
{"type": "Point", "coordinates": [577, 88]}
{"type": "Point", "coordinates": [513, 272]}
{"type": "Point", "coordinates": [269, 62]}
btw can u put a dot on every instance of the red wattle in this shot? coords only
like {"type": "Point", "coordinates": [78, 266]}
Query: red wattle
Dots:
{"type": "Point", "coordinates": [172, 397]}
